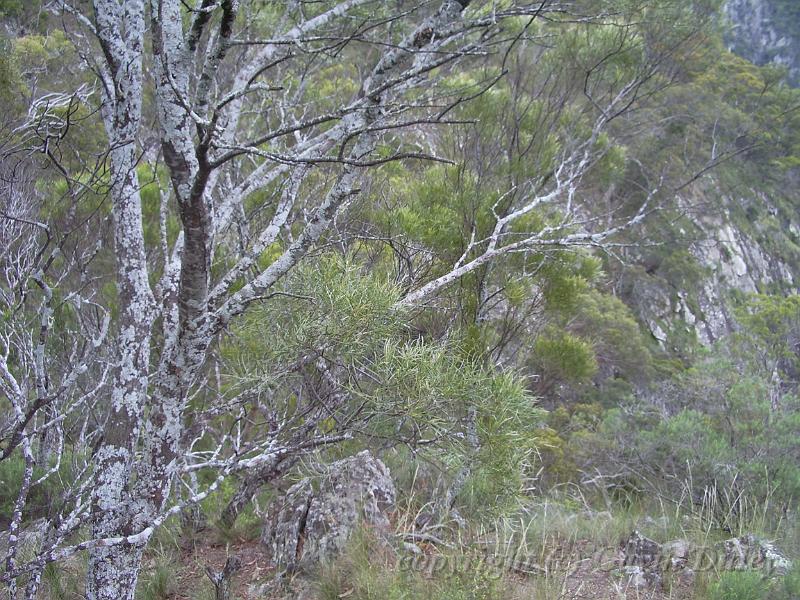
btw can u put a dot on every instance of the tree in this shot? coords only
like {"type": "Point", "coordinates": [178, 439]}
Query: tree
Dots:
{"type": "Point", "coordinates": [258, 155]}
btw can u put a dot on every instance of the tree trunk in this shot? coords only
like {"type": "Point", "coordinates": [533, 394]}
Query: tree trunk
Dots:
{"type": "Point", "coordinates": [248, 488]}
{"type": "Point", "coordinates": [223, 581]}
{"type": "Point", "coordinates": [113, 572]}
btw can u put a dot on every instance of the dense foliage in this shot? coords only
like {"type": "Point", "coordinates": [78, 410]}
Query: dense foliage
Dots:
{"type": "Point", "coordinates": [540, 371]}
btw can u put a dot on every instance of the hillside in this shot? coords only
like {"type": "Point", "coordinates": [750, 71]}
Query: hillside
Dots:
{"type": "Point", "coordinates": [356, 299]}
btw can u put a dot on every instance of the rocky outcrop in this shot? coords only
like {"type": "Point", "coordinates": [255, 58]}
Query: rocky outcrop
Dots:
{"type": "Point", "coordinates": [641, 561]}
{"type": "Point", "coordinates": [318, 515]}
{"type": "Point", "coordinates": [644, 562]}
{"type": "Point", "coordinates": [734, 261]}
{"type": "Point", "coordinates": [729, 256]}
{"type": "Point", "coordinates": [766, 31]}
{"type": "Point", "coordinates": [752, 552]}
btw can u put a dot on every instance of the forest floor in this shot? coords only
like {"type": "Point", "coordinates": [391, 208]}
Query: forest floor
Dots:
{"type": "Point", "coordinates": [585, 580]}
{"type": "Point", "coordinates": [560, 553]}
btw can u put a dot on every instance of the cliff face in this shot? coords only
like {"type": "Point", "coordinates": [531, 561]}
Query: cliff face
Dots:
{"type": "Point", "coordinates": [728, 257]}
{"type": "Point", "coordinates": [746, 237]}
{"type": "Point", "coordinates": [766, 31]}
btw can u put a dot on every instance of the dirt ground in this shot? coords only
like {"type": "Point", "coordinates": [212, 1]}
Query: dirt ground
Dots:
{"type": "Point", "coordinates": [586, 580]}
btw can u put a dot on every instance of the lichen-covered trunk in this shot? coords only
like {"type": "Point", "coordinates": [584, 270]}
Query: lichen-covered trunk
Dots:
{"type": "Point", "coordinates": [114, 572]}
{"type": "Point", "coordinates": [113, 569]}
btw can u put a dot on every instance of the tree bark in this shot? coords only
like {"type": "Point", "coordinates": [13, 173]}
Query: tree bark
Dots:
{"type": "Point", "coordinates": [113, 571]}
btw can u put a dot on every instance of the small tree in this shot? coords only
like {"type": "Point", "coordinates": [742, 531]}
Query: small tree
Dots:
{"type": "Point", "coordinates": [271, 119]}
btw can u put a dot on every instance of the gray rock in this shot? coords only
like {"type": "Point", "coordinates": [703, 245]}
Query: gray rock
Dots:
{"type": "Point", "coordinates": [644, 561]}
{"type": "Point", "coordinates": [751, 552]}
{"type": "Point", "coordinates": [317, 516]}
{"type": "Point", "coordinates": [687, 577]}
{"type": "Point", "coordinates": [761, 33]}
{"type": "Point", "coordinates": [676, 554]}
{"type": "Point", "coordinates": [637, 577]}
{"type": "Point", "coordinates": [640, 561]}
{"type": "Point", "coordinates": [641, 551]}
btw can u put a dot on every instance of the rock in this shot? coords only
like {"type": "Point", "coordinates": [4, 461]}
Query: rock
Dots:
{"type": "Point", "coordinates": [640, 561]}
{"type": "Point", "coordinates": [736, 554]}
{"type": "Point", "coordinates": [726, 255]}
{"type": "Point", "coordinates": [676, 554]}
{"type": "Point", "coordinates": [284, 536]}
{"type": "Point", "coordinates": [313, 523]}
{"type": "Point", "coordinates": [763, 34]}
{"type": "Point", "coordinates": [775, 562]}
{"type": "Point", "coordinates": [641, 551]}
{"type": "Point", "coordinates": [658, 332]}
{"type": "Point", "coordinates": [645, 561]}
{"type": "Point", "coordinates": [686, 577]}
{"type": "Point", "coordinates": [751, 552]}
{"type": "Point", "coordinates": [636, 576]}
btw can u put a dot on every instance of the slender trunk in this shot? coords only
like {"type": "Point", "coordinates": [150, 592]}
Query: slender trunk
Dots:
{"type": "Point", "coordinates": [249, 487]}
{"type": "Point", "coordinates": [447, 502]}
{"type": "Point", "coordinates": [472, 438]}
{"type": "Point", "coordinates": [113, 570]}
{"type": "Point", "coordinates": [223, 580]}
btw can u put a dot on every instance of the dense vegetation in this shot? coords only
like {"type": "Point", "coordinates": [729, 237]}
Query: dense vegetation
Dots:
{"type": "Point", "coordinates": [535, 390]}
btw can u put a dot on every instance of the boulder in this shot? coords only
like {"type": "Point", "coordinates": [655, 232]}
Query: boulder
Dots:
{"type": "Point", "coordinates": [751, 552]}
{"type": "Point", "coordinates": [644, 561]}
{"type": "Point", "coordinates": [641, 551]}
{"type": "Point", "coordinates": [637, 577]}
{"type": "Point", "coordinates": [676, 554]}
{"type": "Point", "coordinates": [641, 558]}
{"type": "Point", "coordinates": [314, 520]}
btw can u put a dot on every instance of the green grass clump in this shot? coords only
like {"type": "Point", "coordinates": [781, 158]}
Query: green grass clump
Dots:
{"type": "Point", "coordinates": [368, 570]}
{"type": "Point", "coordinates": [740, 585]}
{"type": "Point", "coordinates": [789, 587]}
{"type": "Point", "coordinates": [159, 582]}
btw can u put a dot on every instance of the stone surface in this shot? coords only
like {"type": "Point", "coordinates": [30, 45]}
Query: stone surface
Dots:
{"type": "Point", "coordinates": [728, 259]}
{"type": "Point", "coordinates": [761, 33]}
{"type": "Point", "coordinates": [640, 561]}
{"type": "Point", "coordinates": [318, 515]}
{"type": "Point", "coordinates": [676, 554]}
{"type": "Point", "coordinates": [751, 552]}
{"type": "Point", "coordinates": [644, 561]}
{"type": "Point", "coordinates": [641, 551]}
